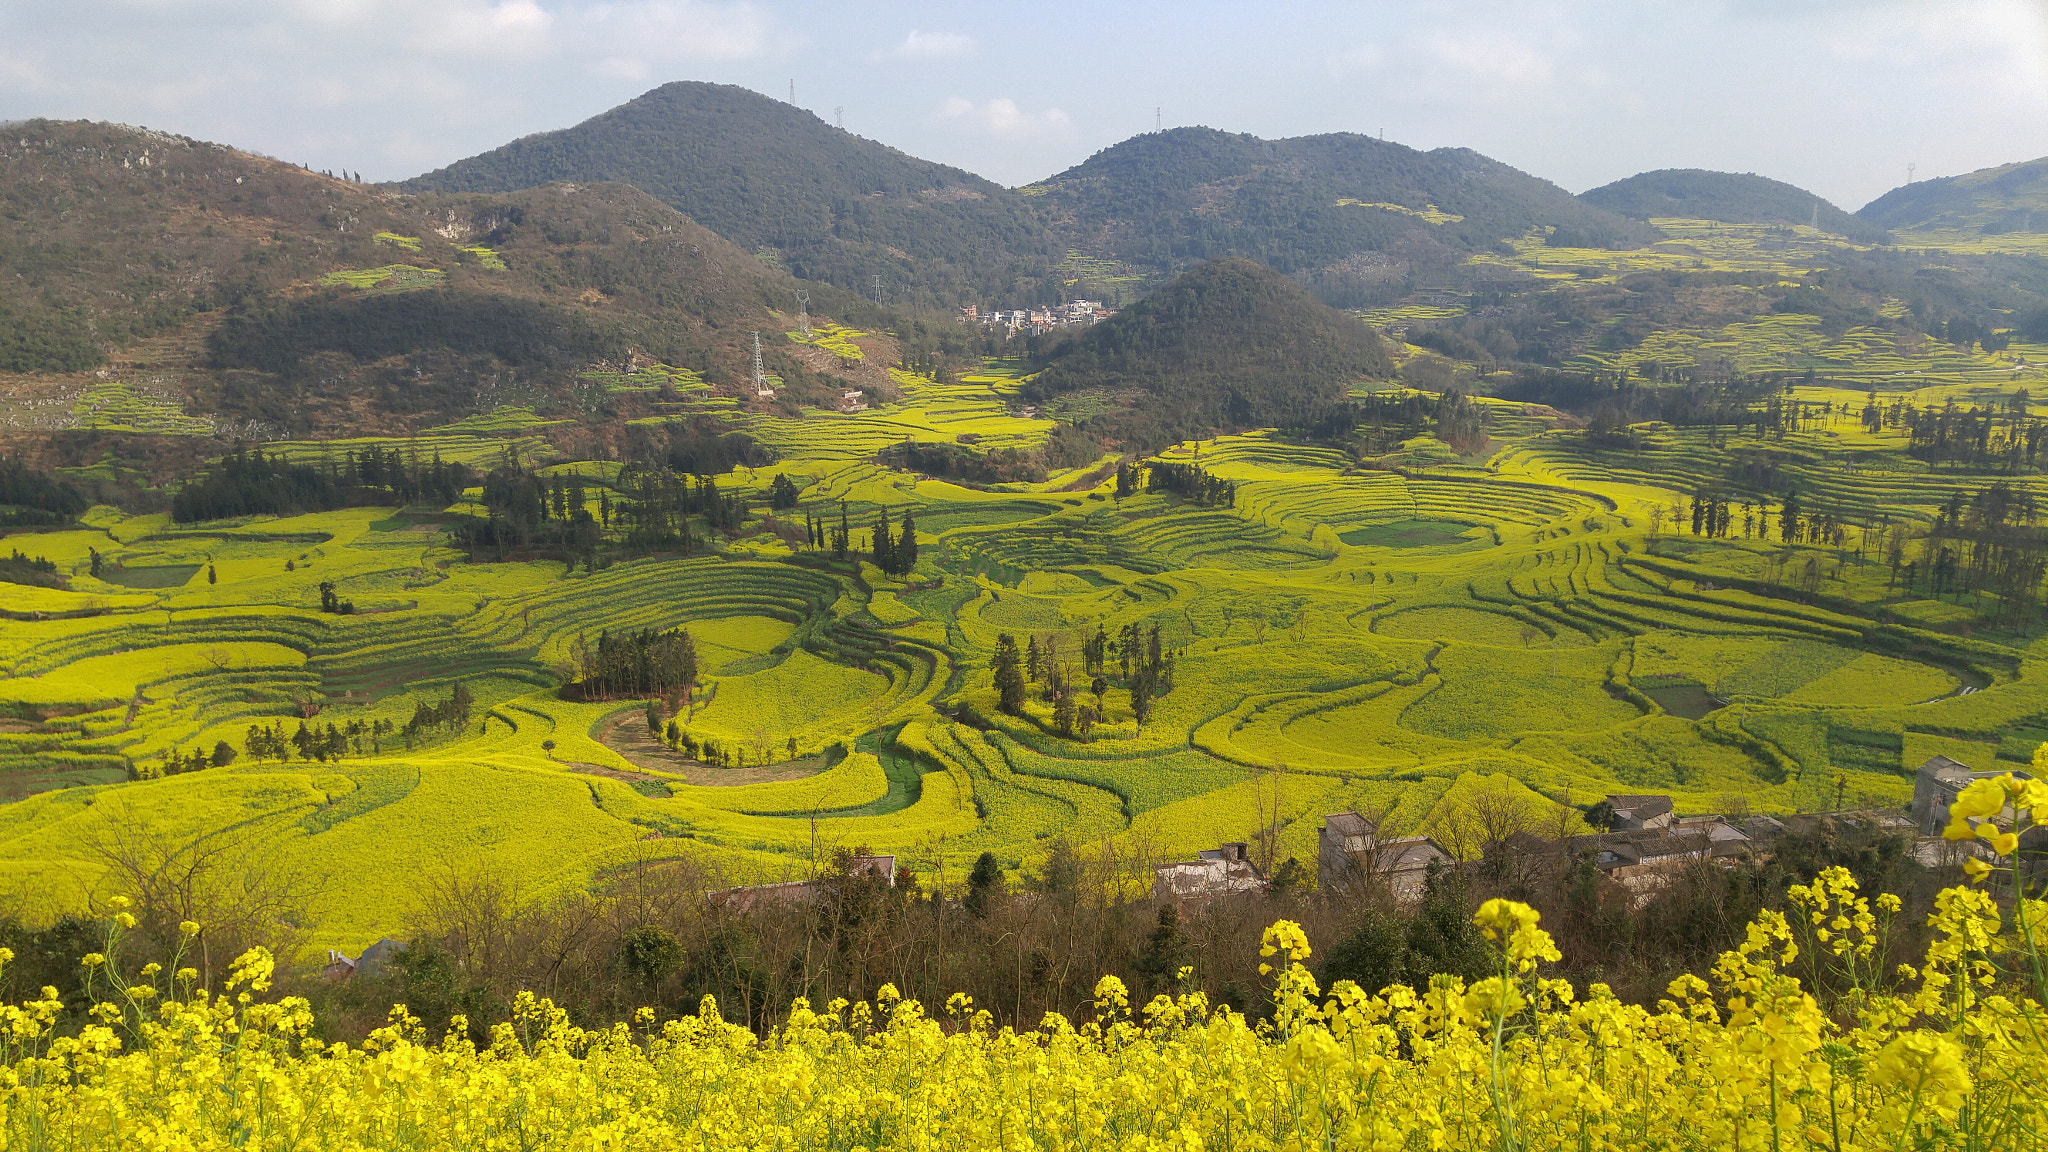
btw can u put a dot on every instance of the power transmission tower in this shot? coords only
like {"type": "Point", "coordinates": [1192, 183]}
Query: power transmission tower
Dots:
{"type": "Point", "coordinates": [1157, 119]}
{"type": "Point", "coordinates": [878, 289]}
{"type": "Point", "coordinates": [760, 376]}
{"type": "Point", "coordinates": [803, 313]}
{"type": "Point", "coordinates": [792, 90]}
{"type": "Point", "coordinates": [839, 114]}
{"type": "Point", "coordinates": [1909, 171]}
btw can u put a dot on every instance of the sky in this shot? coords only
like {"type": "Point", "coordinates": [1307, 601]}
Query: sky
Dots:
{"type": "Point", "coordinates": [1836, 96]}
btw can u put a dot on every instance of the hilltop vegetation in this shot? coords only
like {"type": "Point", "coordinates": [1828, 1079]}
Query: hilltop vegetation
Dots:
{"type": "Point", "coordinates": [1229, 345]}
{"type": "Point", "coordinates": [280, 300]}
{"type": "Point", "coordinates": [1744, 198]}
{"type": "Point", "coordinates": [1991, 201]}
{"type": "Point", "coordinates": [773, 178]}
{"type": "Point", "coordinates": [1312, 207]}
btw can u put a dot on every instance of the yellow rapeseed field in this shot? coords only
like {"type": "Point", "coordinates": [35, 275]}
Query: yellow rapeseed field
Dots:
{"type": "Point", "coordinates": [1951, 1054]}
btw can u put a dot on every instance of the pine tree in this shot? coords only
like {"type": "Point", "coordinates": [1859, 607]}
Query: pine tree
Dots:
{"type": "Point", "coordinates": [1009, 678]}
{"type": "Point", "coordinates": [984, 884]}
{"type": "Point", "coordinates": [884, 549]}
{"type": "Point", "coordinates": [906, 547]}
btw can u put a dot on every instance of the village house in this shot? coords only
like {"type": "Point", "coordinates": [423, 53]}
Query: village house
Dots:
{"type": "Point", "coordinates": [1351, 857]}
{"type": "Point", "coordinates": [1640, 813]}
{"type": "Point", "coordinates": [1220, 871]}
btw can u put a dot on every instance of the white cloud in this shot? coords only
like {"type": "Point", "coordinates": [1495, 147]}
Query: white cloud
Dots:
{"type": "Point", "coordinates": [920, 45]}
{"type": "Point", "coordinates": [1002, 117]}
{"type": "Point", "coordinates": [1490, 56]}
{"type": "Point", "coordinates": [1352, 61]}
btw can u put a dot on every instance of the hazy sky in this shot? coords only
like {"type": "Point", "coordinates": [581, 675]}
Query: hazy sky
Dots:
{"type": "Point", "coordinates": [1837, 96]}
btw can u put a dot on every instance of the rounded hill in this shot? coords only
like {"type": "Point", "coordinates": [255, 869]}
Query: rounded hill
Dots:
{"type": "Point", "coordinates": [1229, 344]}
{"type": "Point", "coordinates": [1991, 201]}
{"type": "Point", "coordinates": [1730, 197]}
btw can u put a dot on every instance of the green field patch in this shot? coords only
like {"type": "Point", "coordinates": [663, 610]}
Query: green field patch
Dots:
{"type": "Point", "coordinates": [371, 786]}
{"type": "Point", "coordinates": [1412, 534]}
{"type": "Point", "coordinates": [152, 576]}
{"type": "Point", "coordinates": [1493, 692]}
{"type": "Point", "coordinates": [115, 678]}
{"type": "Point", "coordinates": [389, 278]}
{"type": "Point", "coordinates": [1686, 699]}
{"type": "Point", "coordinates": [1871, 679]}
{"type": "Point", "coordinates": [1472, 626]}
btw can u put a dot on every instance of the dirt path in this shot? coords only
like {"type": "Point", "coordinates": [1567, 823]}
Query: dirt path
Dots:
{"type": "Point", "coordinates": [628, 736]}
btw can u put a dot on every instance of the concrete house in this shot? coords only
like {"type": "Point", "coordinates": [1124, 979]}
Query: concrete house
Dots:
{"type": "Point", "coordinates": [1350, 855]}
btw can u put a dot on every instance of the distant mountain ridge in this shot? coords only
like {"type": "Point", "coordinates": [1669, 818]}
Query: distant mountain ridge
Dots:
{"type": "Point", "coordinates": [1308, 205]}
{"type": "Point", "coordinates": [774, 178]}
{"type": "Point", "coordinates": [1731, 197]}
{"type": "Point", "coordinates": [1990, 201]}
{"type": "Point", "coordinates": [831, 206]}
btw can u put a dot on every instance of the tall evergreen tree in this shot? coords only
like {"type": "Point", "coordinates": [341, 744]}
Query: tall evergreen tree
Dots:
{"type": "Point", "coordinates": [905, 553]}
{"type": "Point", "coordinates": [1008, 676]}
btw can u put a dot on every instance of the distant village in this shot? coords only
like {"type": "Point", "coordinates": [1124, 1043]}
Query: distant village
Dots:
{"type": "Point", "coordinates": [1036, 321]}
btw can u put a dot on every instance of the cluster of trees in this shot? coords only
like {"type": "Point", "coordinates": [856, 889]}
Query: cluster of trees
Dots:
{"type": "Point", "coordinates": [253, 484]}
{"type": "Point", "coordinates": [1991, 543]}
{"type": "Point", "coordinates": [408, 478]}
{"type": "Point", "coordinates": [526, 510]}
{"type": "Point", "coordinates": [21, 568]}
{"type": "Point", "coordinates": [177, 762]}
{"type": "Point", "coordinates": [1979, 437]}
{"type": "Point", "coordinates": [656, 505]}
{"type": "Point", "coordinates": [31, 497]}
{"type": "Point", "coordinates": [1144, 668]}
{"type": "Point", "coordinates": [1376, 424]}
{"type": "Point", "coordinates": [820, 534]}
{"type": "Point", "coordinates": [1713, 513]}
{"type": "Point", "coordinates": [330, 600]}
{"type": "Point", "coordinates": [317, 742]}
{"type": "Point", "coordinates": [1065, 447]}
{"type": "Point", "coordinates": [432, 718]}
{"type": "Point", "coordinates": [1188, 481]}
{"type": "Point", "coordinates": [248, 483]}
{"type": "Point", "coordinates": [782, 493]}
{"type": "Point", "coordinates": [631, 665]}
{"type": "Point", "coordinates": [894, 553]}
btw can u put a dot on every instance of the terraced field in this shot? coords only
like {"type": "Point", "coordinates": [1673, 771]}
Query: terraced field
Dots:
{"type": "Point", "coordinates": [1383, 634]}
{"type": "Point", "coordinates": [1342, 637]}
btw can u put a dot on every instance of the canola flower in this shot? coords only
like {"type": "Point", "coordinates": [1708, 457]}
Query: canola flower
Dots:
{"type": "Point", "coordinates": [1951, 1054]}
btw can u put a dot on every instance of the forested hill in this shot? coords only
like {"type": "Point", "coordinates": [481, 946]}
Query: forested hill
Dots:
{"type": "Point", "coordinates": [1732, 197]}
{"type": "Point", "coordinates": [775, 179]}
{"type": "Point", "coordinates": [1227, 345]}
{"type": "Point", "coordinates": [255, 290]}
{"type": "Point", "coordinates": [2009, 198]}
{"type": "Point", "coordinates": [1313, 207]}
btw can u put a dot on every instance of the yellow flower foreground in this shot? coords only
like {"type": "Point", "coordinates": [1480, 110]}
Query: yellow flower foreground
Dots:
{"type": "Point", "coordinates": [1514, 1061]}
